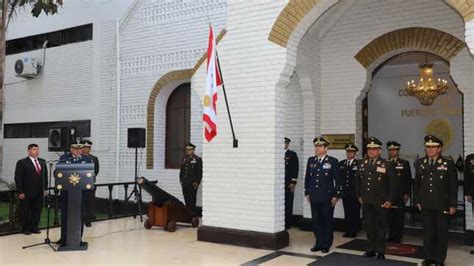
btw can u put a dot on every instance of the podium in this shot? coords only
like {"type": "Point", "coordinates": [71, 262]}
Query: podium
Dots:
{"type": "Point", "coordinates": [73, 179]}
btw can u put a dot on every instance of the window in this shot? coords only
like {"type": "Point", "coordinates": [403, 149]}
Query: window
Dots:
{"type": "Point", "coordinates": [178, 115]}
{"type": "Point", "coordinates": [41, 130]}
{"type": "Point", "coordinates": [56, 38]}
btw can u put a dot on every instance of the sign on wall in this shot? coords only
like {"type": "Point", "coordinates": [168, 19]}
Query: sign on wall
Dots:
{"type": "Point", "coordinates": [339, 141]}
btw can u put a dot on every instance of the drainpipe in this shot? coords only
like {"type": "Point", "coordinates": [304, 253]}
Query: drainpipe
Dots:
{"type": "Point", "coordinates": [119, 109]}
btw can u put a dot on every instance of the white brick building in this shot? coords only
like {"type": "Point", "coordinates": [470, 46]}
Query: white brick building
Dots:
{"type": "Point", "coordinates": [291, 68]}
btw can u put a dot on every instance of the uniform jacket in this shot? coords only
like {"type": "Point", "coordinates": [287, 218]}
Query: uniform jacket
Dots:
{"type": "Point", "coordinates": [377, 183]}
{"type": "Point", "coordinates": [322, 180]}
{"type": "Point", "coordinates": [436, 186]}
{"type": "Point", "coordinates": [291, 167]}
{"type": "Point", "coordinates": [191, 170]}
{"type": "Point", "coordinates": [348, 175]}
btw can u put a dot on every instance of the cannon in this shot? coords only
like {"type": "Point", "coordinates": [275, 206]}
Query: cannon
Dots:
{"type": "Point", "coordinates": [165, 210]}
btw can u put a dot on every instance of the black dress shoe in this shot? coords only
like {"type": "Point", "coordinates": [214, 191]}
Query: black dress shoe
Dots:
{"type": "Point", "coordinates": [315, 249]}
{"type": "Point", "coordinates": [472, 252]}
{"type": "Point", "coordinates": [36, 231]}
{"type": "Point", "coordinates": [26, 232]}
{"type": "Point", "coordinates": [369, 254]}
{"type": "Point", "coordinates": [88, 224]}
{"type": "Point", "coordinates": [325, 250]}
{"type": "Point", "coordinates": [380, 256]}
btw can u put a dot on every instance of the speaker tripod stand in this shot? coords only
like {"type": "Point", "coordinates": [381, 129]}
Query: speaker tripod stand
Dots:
{"type": "Point", "coordinates": [137, 191]}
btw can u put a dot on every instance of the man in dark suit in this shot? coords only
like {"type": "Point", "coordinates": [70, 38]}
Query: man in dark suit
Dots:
{"type": "Point", "coordinates": [31, 182]}
{"type": "Point", "coordinates": [190, 176]}
{"type": "Point", "coordinates": [291, 176]}
{"type": "Point", "coordinates": [351, 204]}
{"type": "Point", "coordinates": [376, 188]}
{"type": "Point", "coordinates": [89, 195]}
{"type": "Point", "coordinates": [396, 216]}
{"type": "Point", "coordinates": [322, 192]}
{"type": "Point", "coordinates": [435, 193]}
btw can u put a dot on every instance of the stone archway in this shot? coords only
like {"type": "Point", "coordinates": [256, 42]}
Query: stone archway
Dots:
{"type": "Point", "coordinates": [386, 46]}
{"type": "Point", "coordinates": [296, 10]}
{"type": "Point", "coordinates": [429, 40]}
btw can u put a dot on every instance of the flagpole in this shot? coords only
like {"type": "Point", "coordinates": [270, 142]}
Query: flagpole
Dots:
{"type": "Point", "coordinates": [235, 141]}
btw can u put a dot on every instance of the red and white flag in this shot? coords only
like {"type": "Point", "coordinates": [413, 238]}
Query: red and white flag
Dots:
{"type": "Point", "coordinates": [213, 81]}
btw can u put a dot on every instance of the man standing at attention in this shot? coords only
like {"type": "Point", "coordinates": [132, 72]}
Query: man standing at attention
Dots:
{"type": "Point", "coordinates": [89, 195]}
{"type": "Point", "coordinates": [348, 169]}
{"type": "Point", "coordinates": [376, 189]}
{"type": "Point", "coordinates": [435, 192]}
{"type": "Point", "coordinates": [396, 216]}
{"type": "Point", "coordinates": [322, 192]}
{"type": "Point", "coordinates": [190, 176]}
{"type": "Point", "coordinates": [291, 176]}
{"type": "Point", "coordinates": [32, 183]}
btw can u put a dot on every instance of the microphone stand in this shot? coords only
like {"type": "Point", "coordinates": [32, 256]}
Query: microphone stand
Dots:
{"type": "Point", "coordinates": [46, 241]}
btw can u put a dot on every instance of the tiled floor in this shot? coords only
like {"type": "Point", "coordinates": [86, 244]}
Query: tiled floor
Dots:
{"type": "Point", "coordinates": [126, 242]}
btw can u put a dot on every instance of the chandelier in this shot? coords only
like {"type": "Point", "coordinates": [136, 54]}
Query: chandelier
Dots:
{"type": "Point", "coordinates": [427, 89]}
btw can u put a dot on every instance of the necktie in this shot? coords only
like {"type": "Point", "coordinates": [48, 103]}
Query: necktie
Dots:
{"type": "Point", "coordinates": [431, 162]}
{"type": "Point", "coordinates": [37, 167]}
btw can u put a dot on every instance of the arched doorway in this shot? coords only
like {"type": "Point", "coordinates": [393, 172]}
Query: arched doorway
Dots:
{"type": "Point", "coordinates": [389, 113]}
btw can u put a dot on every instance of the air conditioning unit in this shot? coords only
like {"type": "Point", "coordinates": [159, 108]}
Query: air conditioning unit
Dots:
{"type": "Point", "coordinates": [27, 67]}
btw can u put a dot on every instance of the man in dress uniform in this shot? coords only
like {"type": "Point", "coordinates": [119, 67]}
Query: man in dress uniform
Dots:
{"type": "Point", "coordinates": [190, 176]}
{"type": "Point", "coordinates": [322, 192]}
{"type": "Point", "coordinates": [89, 195]}
{"type": "Point", "coordinates": [435, 193]}
{"type": "Point", "coordinates": [291, 176]}
{"type": "Point", "coordinates": [348, 170]}
{"type": "Point", "coordinates": [376, 189]}
{"type": "Point", "coordinates": [74, 157]}
{"type": "Point", "coordinates": [396, 216]}
{"type": "Point", "coordinates": [469, 179]}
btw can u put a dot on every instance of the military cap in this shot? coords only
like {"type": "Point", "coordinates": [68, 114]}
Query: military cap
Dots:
{"type": "Point", "coordinates": [76, 144]}
{"type": "Point", "coordinates": [190, 146]}
{"type": "Point", "coordinates": [287, 140]}
{"type": "Point", "coordinates": [432, 141]}
{"type": "Point", "coordinates": [86, 143]}
{"type": "Point", "coordinates": [320, 141]}
{"type": "Point", "coordinates": [393, 145]}
{"type": "Point", "coordinates": [374, 142]}
{"type": "Point", "coordinates": [351, 147]}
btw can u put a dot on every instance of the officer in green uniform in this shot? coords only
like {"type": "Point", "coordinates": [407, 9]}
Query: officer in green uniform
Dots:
{"type": "Point", "coordinates": [190, 176]}
{"type": "Point", "coordinates": [396, 216]}
{"type": "Point", "coordinates": [376, 188]}
{"type": "Point", "coordinates": [435, 193]}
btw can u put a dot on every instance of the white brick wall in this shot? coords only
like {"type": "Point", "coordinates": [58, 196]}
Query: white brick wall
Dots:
{"type": "Point", "coordinates": [242, 188]}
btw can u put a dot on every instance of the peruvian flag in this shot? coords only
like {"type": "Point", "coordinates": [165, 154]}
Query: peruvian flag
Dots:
{"type": "Point", "coordinates": [213, 81]}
